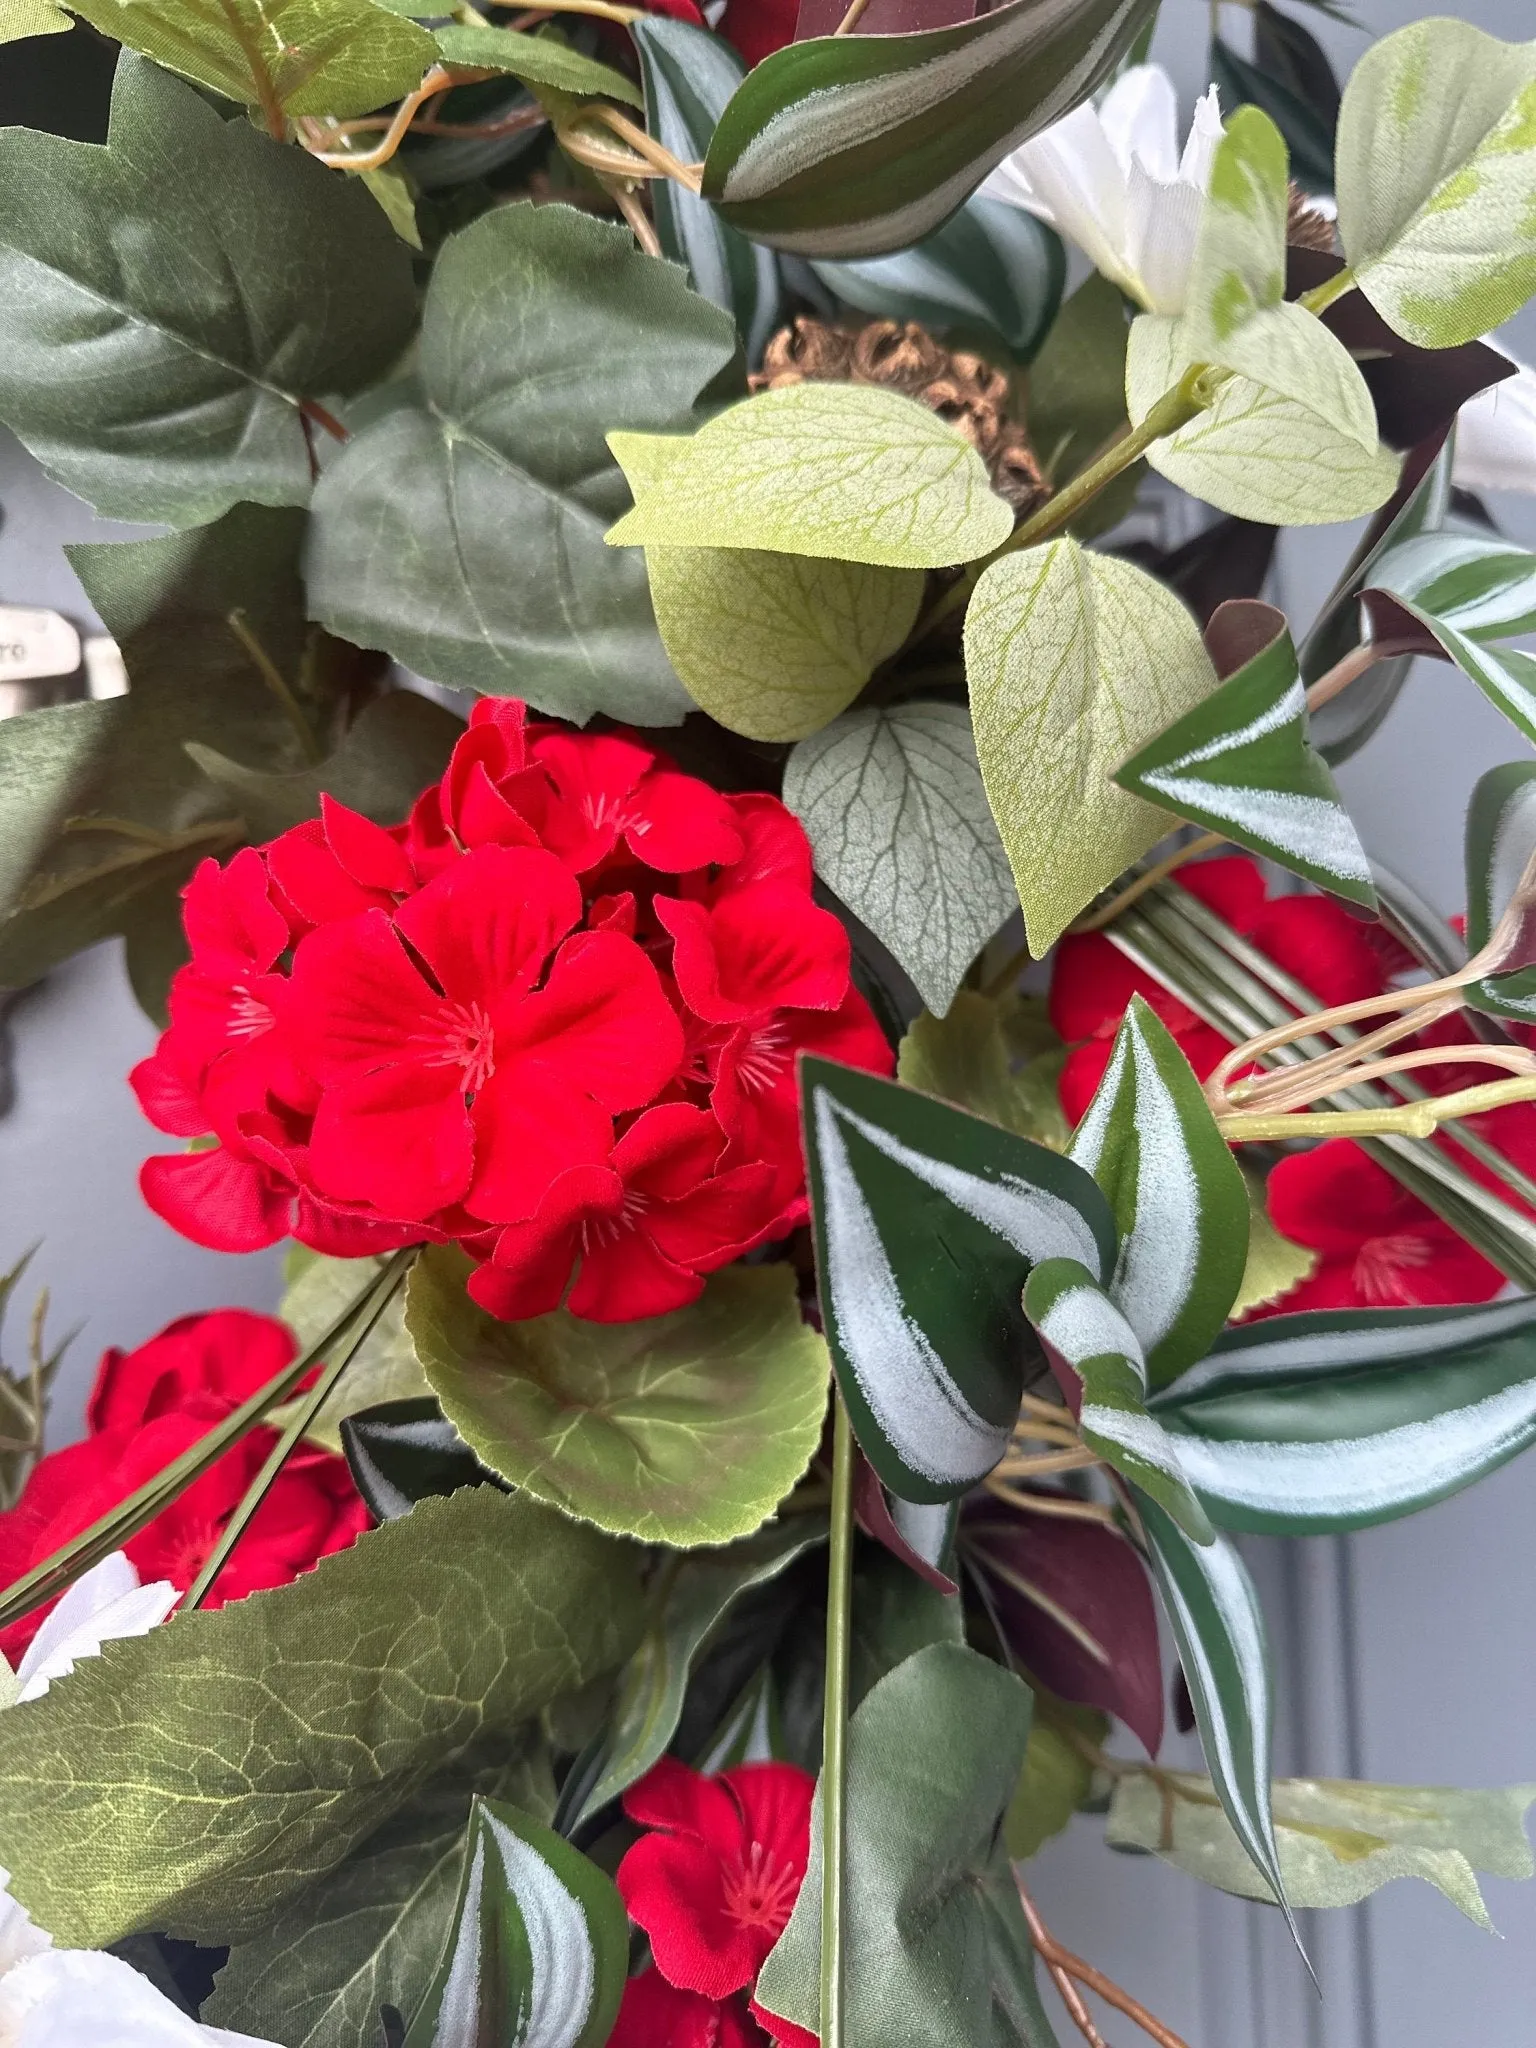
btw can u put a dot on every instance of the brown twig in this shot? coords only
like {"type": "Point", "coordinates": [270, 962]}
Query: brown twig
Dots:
{"type": "Point", "coordinates": [438, 80]}
{"type": "Point", "coordinates": [639, 220]}
{"type": "Point", "coordinates": [1061, 1960]}
{"type": "Point", "coordinates": [852, 18]}
{"type": "Point", "coordinates": [1046, 1949]}
{"type": "Point", "coordinates": [1142, 883]}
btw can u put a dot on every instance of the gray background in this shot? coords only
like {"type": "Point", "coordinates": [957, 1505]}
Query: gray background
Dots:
{"type": "Point", "coordinates": [1406, 1654]}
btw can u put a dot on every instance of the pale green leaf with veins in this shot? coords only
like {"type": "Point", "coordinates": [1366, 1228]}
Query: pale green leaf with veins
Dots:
{"type": "Point", "coordinates": [20, 18]}
{"type": "Point", "coordinates": [1437, 180]}
{"type": "Point", "coordinates": [775, 646]}
{"type": "Point", "coordinates": [1074, 661]}
{"type": "Point", "coordinates": [843, 470]}
{"type": "Point", "coordinates": [968, 1058]}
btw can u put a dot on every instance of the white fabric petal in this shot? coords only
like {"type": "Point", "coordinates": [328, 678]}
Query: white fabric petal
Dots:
{"type": "Point", "coordinates": [107, 1603]}
{"type": "Point", "coordinates": [81, 1998]}
{"type": "Point", "coordinates": [20, 1936]}
{"type": "Point", "coordinates": [1140, 116]}
{"type": "Point", "coordinates": [1496, 435]}
{"type": "Point", "coordinates": [1205, 133]}
{"type": "Point", "coordinates": [1164, 227]}
{"type": "Point", "coordinates": [1073, 182]}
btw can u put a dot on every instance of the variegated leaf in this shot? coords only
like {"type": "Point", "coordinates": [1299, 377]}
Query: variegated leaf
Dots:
{"type": "Point", "coordinates": [539, 1947]}
{"type": "Point", "coordinates": [1242, 764]}
{"type": "Point", "coordinates": [855, 145]}
{"type": "Point", "coordinates": [1099, 1363]}
{"type": "Point", "coordinates": [921, 1534]}
{"type": "Point", "coordinates": [1307, 1424]}
{"type": "Point", "coordinates": [1466, 592]}
{"type": "Point", "coordinates": [1501, 840]}
{"type": "Point", "coordinates": [927, 1223]}
{"type": "Point", "coordinates": [1150, 1141]}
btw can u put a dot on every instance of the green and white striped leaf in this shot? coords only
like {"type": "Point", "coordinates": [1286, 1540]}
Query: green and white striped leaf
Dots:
{"type": "Point", "coordinates": [850, 471]}
{"type": "Point", "coordinates": [1218, 1629]}
{"type": "Point", "coordinates": [1436, 174]}
{"type": "Point", "coordinates": [1098, 1359]}
{"type": "Point", "coordinates": [927, 1223]}
{"type": "Point", "coordinates": [1501, 840]}
{"type": "Point", "coordinates": [1242, 764]}
{"type": "Point", "coordinates": [1467, 592]}
{"type": "Point", "coordinates": [855, 145]}
{"type": "Point", "coordinates": [1150, 1141]}
{"type": "Point", "coordinates": [539, 1947]}
{"type": "Point", "coordinates": [1309, 1424]}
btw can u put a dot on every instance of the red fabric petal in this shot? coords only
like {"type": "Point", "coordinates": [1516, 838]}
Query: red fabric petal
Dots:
{"type": "Point", "coordinates": [1232, 885]}
{"type": "Point", "coordinates": [217, 1200]}
{"type": "Point", "coordinates": [1336, 1196]}
{"type": "Point", "coordinates": [682, 824]}
{"type": "Point", "coordinates": [776, 1806]}
{"type": "Point", "coordinates": [667, 1151]}
{"type": "Point", "coordinates": [370, 854]}
{"type": "Point", "coordinates": [531, 1124]}
{"type": "Point", "coordinates": [168, 1095]}
{"type": "Point", "coordinates": [400, 1139]}
{"type": "Point", "coordinates": [628, 1278]}
{"type": "Point", "coordinates": [656, 2014]}
{"type": "Point", "coordinates": [358, 1003]}
{"type": "Point", "coordinates": [314, 882]}
{"type": "Point", "coordinates": [531, 1266]}
{"type": "Point", "coordinates": [1319, 943]}
{"type": "Point", "coordinates": [601, 1022]}
{"type": "Point", "coordinates": [759, 27]}
{"type": "Point", "coordinates": [760, 948]}
{"type": "Point", "coordinates": [774, 845]}
{"type": "Point", "coordinates": [1092, 984]}
{"type": "Point", "coordinates": [487, 924]}
{"type": "Point", "coordinates": [674, 1887]}
{"type": "Point", "coordinates": [213, 1361]}
{"type": "Point", "coordinates": [784, 2032]}
{"type": "Point", "coordinates": [231, 923]}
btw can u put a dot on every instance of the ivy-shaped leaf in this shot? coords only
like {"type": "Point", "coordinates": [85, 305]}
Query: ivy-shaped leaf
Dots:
{"type": "Point", "coordinates": [537, 60]}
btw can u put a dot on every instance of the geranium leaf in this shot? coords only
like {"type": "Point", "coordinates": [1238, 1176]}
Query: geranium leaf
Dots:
{"type": "Point", "coordinates": [1465, 592]}
{"type": "Point", "coordinates": [686, 1429]}
{"type": "Point", "coordinates": [1339, 1840]}
{"type": "Point", "coordinates": [535, 60]}
{"type": "Point", "coordinates": [851, 471]}
{"type": "Point", "coordinates": [338, 1698]}
{"type": "Point", "coordinates": [893, 805]}
{"type": "Point", "coordinates": [1149, 1139]}
{"type": "Point", "coordinates": [1501, 839]}
{"type": "Point", "coordinates": [243, 280]}
{"type": "Point", "coordinates": [1097, 1358]}
{"type": "Point", "coordinates": [1300, 1425]}
{"type": "Point", "coordinates": [927, 1222]}
{"type": "Point", "coordinates": [1219, 1632]}
{"type": "Point", "coordinates": [896, 1613]}
{"type": "Point", "coordinates": [1437, 180]}
{"type": "Point", "coordinates": [1254, 453]}
{"type": "Point", "coordinates": [933, 1930]}
{"type": "Point", "coordinates": [690, 75]}
{"type": "Point", "coordinates": [774, 646]}
{"type": "Point", "coordinates": [539, 1947]}
{"type": "Point", "coordinates": [384, 1367]}
{"type": "Point", "coordinates": [992, 269]}
{"type": "Point", "coordinates": [1242, 763]}
{"type": "Point", "coordinates": [1074, 659]}
{"type": "Point", "coordinates": [502, 455]}
{"type": "Point", "coordinates": [855, 145]}
{"type": "Point", "coordinates": [402, 1452]}
{"type": "Point", "coordinates": [965, 1057]}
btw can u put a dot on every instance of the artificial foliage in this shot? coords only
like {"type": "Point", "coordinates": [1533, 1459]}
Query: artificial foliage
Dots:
{"type": "Point", "coordinates": [851, 1111]}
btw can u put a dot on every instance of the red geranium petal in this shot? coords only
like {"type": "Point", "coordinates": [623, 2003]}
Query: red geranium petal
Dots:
{"type": "Point", "coordinates": [674, 1887]}
{"type": "Point", "coordinates": [774, 845]}
{"type": "Point", "coordinates": [400, 1139]}
{"type": "Point", "coordinates": [760, 948]}
{"type": "Point", "coordinates": [219, 1201]}
{"type": "Point", "coordinates": [1334, 1197]}
{"type": "Point", "coordinates": [1319, 943]}
{"type": "Point", "coordinates": [626, 1278]}
{"type": "Point", "coordinates": [784, 2032]}
{"type": "Point", "coordinates": [776, 1806]}
{"type": "Point", "coordinates": [719, 1219]}
{"type": "Point", "coordinates": [683, 824]}
{"type": "Point", "coordinates": [221, 1357]}
{"type": "Point", "coordinates": [759, 27]}
{"type": "Point", "coordinates": [601, 1021]}
{"type": "Point", "coordinates": [656, 2014]}
{"type": "Point", "coordinates": [531, 1125]}
{"type": "Point", "coordinates": [531, 1265]}
{"type": "Point", "coordinates": [486, 925]}
{"type": "Point", "coordinates": [168, 1095]}
{"type": "Point", "coordinates": [358, 1003]}
{"type": "Point", "coordinates": [314, 881]}
{"type": "Point", "coordinates": [668, 1150]}
{"type": "Point", "coordinates": [230, 920]}
{"type": "Point", "coordinates": [1092, 983]}
{"type": "Point", "coordinates": [1232, 885]}
{"type": "Point", "coordinates": [370, 854]}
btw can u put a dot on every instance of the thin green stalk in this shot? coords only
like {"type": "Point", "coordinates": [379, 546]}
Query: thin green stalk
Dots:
{"type": "Point", "coordinates": [1323, 295]}
{"type": "Point", "coordinates": [390, 1281]}
{"type": "Point", "coordinates": [834, 1737]}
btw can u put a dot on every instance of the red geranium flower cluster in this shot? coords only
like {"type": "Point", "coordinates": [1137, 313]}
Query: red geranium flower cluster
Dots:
{"type": "Point", "coordinates": [149, 1406]}
{"type": "Point", "coordinates": [553, 1017]}
{"type": "Point", "coordinates": [713, 1886]}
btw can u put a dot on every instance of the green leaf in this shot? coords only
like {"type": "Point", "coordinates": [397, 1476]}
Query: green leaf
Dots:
{"type": "Point", "coordinates": [1437, 180]}
{"type": "Point", "coordinates": [774, 646]}
{"type": "Point", "coordinates": [333, 1702]}
{"type": "Point", "coordinates": [383, 1368]}
{"type": "Point", "coordinates": [369, 1932]}
{"type": "Point", "coordinates": [395, 195]}
{"type": "Point", "coordinates": [686, 1429]}
{"type": "Point", "coordinates": [1307, 130]}
{"type": "Point", "coordinates": [542, 327]}
{"type": "Point", "coordinates": [1149, 1139]}
{"type": "Point", "coordinates": [893, 805]}
{"type": "Point", "coordinates": [1242, 764]}
{"type": "Point", "coordinates": [965, 1057]}
{"type": "Point", "coordinates": [855, 145]}
{"type": "Point", "coordinates": [1074, 659]}
{"type": "Point", "coordinates": [1076, 383]}
{"type": "Point", "coordinates": [689, 77]}
{"type": "Point", "coordinates": [933, 1932]}
{"type": "Point", "coordinates": [171, 300]}
{"type": "Point", "coordinates": [1098, 1358]}
{"type": "Point", "coordinates": [927, 1222]}
{"type": "Point", "coordinates": [851, 471]}
{"type": "Point", "coordinates": [992, 269]}
{"type": "Point", "coordinates": [1468, 592]}
{"type": "Point", "coordinates": [22, 18]}
{"type": "Point", "coordinates": [1501, 840]}
{"type": "Point", "coordinates": [539, 1948]}
{"type": "Point", "coordinates": [283, 58]}
{"type": "Point", "coordinates": [1313, 1423]}
{"type": "Point", "coordinates": [1274, 1264]}
{"type": "Point", "coordinates": [1339, 1840]}
{"type": "Point", "coordinates": [1254, 453]}
{"type": "Point", "coordinates": [537, 60]}
{"type": "Point", "coordinates": [1218, 1629]}
{"type": "Point", "coordinates": [1057, 1777]}
{"type": "Point", "coordinates": [403, 1452]}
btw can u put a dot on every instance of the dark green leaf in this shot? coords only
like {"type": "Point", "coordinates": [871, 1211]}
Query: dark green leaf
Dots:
{"type": "Point", "coordinates": [172, 300]}
{"type": "Point", "coordinates": [1500, 843]}
{"type": "Point", "coordinates": [1308, 132]}
{"type": "Point", "coordinates": [1076, 383]}
{"type": "Point", "coordinates": [404, 1451]}
{"type": "Point", "coordinates": [543, 329]}
{"type": "Point", "coordinates": [855, 145]}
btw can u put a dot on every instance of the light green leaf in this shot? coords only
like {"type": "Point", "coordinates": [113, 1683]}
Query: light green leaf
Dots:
{"type": "Point", "coordinates": [539, 1947]}
{"type": "Point", "coordinates": [1274, 1264]}
{"type": "Point", "coordinates": [774, 646]}
{"type": "Point", "coordinates": [1057, 1777]}
{"type": "Point", "coordinates": [1437, 180]}
{"type": "Point", "coordinates": [933, 1929]}
{"type": "Point", "coordinates": [396, 198]}
{"type": "Point", "coordinates": [1339, 1840]}
{"type": "Point", "coordinates": [966, 1057]}
{"type": "Point", "coordinates": [1467, 592]}
{"type": "Point", "coordinates": [22, 18]}
{"type": "Point", "coordinates": [856, 145]}
{"type": "Point", "coordinates": [538, 60]}
{"type": "Point", "coordinates": [1074, 659]}
{"type": "Point", "coordinates": [1242, 764]}
{"type": "Point", "coordinates": [242, 280]}
{"type": "Point", "coordinates": [851, 471]}
{"type": "Point", "coordinates": [1500, 845]}
{"type": "Point", "coordinates": [687, 1428]}
{"type": "Point", "coordinates": [304, 1717]}
{"type": "Point", "coordinates": [542, 327]}
{"type": "Point", "coordinates": [927, 1222]}
{"type": "Point", "coordinates": [893, 805]}
{"type": "Point", "coordinates": [1254, 453]}
{"type": "Point", "coordinates": [1150, 1140]}
{"type": "Point", "coordinates": [383, 1368]}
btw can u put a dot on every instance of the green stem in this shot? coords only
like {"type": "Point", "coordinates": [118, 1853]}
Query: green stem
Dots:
{"type": "Point", "coordinates": [388, 1285]}
{"type": "Point", "coordinates": [834, 1738]}
{"type": "Point", "coordinates": [1323, 295]}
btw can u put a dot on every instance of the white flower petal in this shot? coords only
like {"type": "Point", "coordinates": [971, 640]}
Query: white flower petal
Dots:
{"type": "Point", "coordinates": [108, 1602]}
{"type": "Point", "coordinates": [81, 1998]}
{"type": "Point", "coordinates": [1205, 133]}
{"type": "Point", "coordinates": [1140, 116]}
{"type": "Point", "coordinates": [1076, 185]}
{"type": "Point", "coordinates": [20, 1936]}
{"type": "Point", "coordinates": [1496, 435]}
